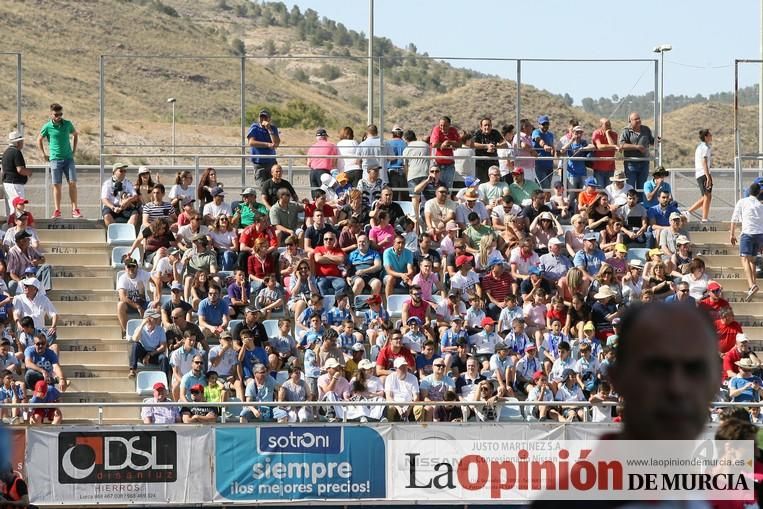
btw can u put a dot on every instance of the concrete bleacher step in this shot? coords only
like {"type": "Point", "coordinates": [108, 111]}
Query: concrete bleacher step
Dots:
{"type": "Point", "coordinates": [86, 259]}
{"type": "Point", "coordinates": [88, 235]}
{"type": "Point", "coordinates": [722, 261]}
{"type": "Point", "coordinates": [103, 384]}
{"type": "Point", "coordinates": [85, 283]}
{"type": "Point", "coordinates": [83, 319]}
{"type": "Point", "coordinates": [71, 271]}
{"type": "Point", "coordinates": [711, 226]}
{"type": "Point", "coordinates": [82, 295]}
{"type": "Point", "coordinates": [89, 358]}
{"type": "Point", "coordinates": [93, 345]}
{"type": "Point", "coordinates": [709, 237]}
{"type": "Point", "coordinates": [94, 308]}
{"type": "Point", "coordinates": [103, 333]}
{"type": "Point", "coordinates": [78, 370]}
{"type": "Point", "coordinates": [755, 334]}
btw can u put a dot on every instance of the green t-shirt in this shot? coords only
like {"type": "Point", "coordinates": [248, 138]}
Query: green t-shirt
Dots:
{"type": "Point", "coordinates": [58, 138]}
{"type": "Point", "coordinates": [247, 213]}
{"type": "Point", "coordinates": [522, 193]}
{"type": "Point", "coordinates": [213, 393]}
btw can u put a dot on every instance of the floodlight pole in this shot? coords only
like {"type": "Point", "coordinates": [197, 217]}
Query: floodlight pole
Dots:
{"type": "Point", "coordinates": [371, 62]}
{"type": "Point", "coordinates": [661, 49]}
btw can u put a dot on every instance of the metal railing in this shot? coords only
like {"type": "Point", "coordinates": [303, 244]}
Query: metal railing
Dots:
{"type": "Point", "coordinates": [499, 404]}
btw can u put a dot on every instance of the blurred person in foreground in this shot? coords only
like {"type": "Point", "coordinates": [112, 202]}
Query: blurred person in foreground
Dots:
{"type": "Point", "coordinates": [665, 375]}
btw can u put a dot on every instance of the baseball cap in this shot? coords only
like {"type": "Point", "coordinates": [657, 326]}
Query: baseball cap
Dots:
{"type": "Point", "coordinates": [590, 236]}
{"type": "Point", "coordinates": [248, 191]}
{"type": "Point", "coordinates": [714, 286]}
{"type": "Point", "coordinates": [462, 259]}
{"type": "Point", "coordinates": [487, 321]}
{"type": "Point", "coordinates": [534, 270]}
{"type": "Point", "coordinates": [321, 132]}
{"type": "Point", "coordinates": [590, 181]}
{"type": "Point", "coordinates": [660, 170]}
{"type": "Point", "coordinates": [218, 191]}
{"type": "Point", "coordinates": [342, 178]}
{"type": "Point", "coordinates": [531, 346]}
{"type": "Point", "coordinates": [251, 309]}
{"type": "Point", "coordinates": [471, 181]}
{"type": "Point", "coordinates": [226, 335]}
{"type": "Point", "coordinates": [543, 119]}
{"type": "Point", "coordinates": [452, 226]}
{"type": "Point", "coordinates": [23, 234]}
{"type": "Point", "coordinates": [331, 363]}
{"type": "Point", "coordinates": [327, 180]}
{"type": "Point", "coordinates": [457, 318]}
{"type": "Point", "coordinates": [683, 239]}
{"type": "Point", "coordinates": [118, 166]}
{"type": "Point", "coordinates": [555, 241]}
{"type": "Point", "coordinates": [655, 251]}
{"type": "Point", "coordinates": [397, 129]}
{"type": "Point", "coordinates": [201, 237]}
{"type": "Point", "coordinates": [374, 299]}
{"type": "Point", "coordinates": [742, 337]}
{"type": "Point", "coordinates": [675, 215]}
{"type": "Point", "coordinates": [176, 286]}
{"type": "Point", "coordinates": [188, 200]}
{"type": "Point", "coordinates": [197, 388]}
{"type": "Point", "coordinates": [143, 169]}
{"type": "Point", "coordinates": [621, 248]}
{"type": "Point", "coordinates": [151, 314]}
{"type": "Point", "coordinates": [358, 347]}
{"type": "Point", "coordinates": [365, 364]}
{"type": "Point", "coordinates": [41, 386]}
{"type": "Point", "coordinates": [131, 262]}
{"type": "Point", "coordinates": [159, 386]}
{"type": "Point", "coordinates": [501, 346]}
{"type": "Point", "coordinates": [568, 373]}
{"type": "Point", "coordinates": [589, 326]}
{"type": "Point", "coordinates": [518, 171]}
{"type": "Point", "coordinates": [264, 113]}
{"type": "Point", "coordinates": [18, 200]}
{"type": "Point", "coordinates": [400, 361]}
{"type": "Point", "coordinates": [578, 128]}
{"type": "Point", "coordinates": [537, 375]}
{"type": "Point", "coordinates": [414, 319]}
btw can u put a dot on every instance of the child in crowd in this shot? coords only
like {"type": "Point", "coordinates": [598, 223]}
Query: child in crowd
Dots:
{"type": "Point", "coordinates": [284, 345]}
{"type": "Point", "coordinates": [11, 391]}
{"type": "Point", "coordinates": [510, 311]}
{"type": "Point", "coordinates": [474, 315]}
{"type": "Point", "coordinates": [270, 298]}
{"type": "Point", "coordinates": [414, 338]}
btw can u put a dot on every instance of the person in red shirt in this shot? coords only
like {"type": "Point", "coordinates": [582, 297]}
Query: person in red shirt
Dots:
{"type": "Point", "coordinates": [392, 350]}
{"type": "Point", "coordinates": [740, 351]}
{"type": "Point", "coordinates": [713, 303]}
{"type": "Point", "coordinates": [443, 140]}
{"type": "Point", "coordinates": [727, 329]}
{"type": "Point", "coordinates": [496, 285]}
{"type": "Point", "coordinates": [326, 265]}
{"type": "Point", "coordinates": [260, 229]}
{"type": "Point", "coordinates": [319, 203]}
{"type": "Point", "coordinates": [605, 140]}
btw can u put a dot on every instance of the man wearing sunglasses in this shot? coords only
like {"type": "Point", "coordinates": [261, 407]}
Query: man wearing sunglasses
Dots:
{"type": "Point", "coordinates": [195, 413]}
{"type": "Point", "coordinates": [193, 378]}
{"type": "Point", "coordinates": [61, 156]}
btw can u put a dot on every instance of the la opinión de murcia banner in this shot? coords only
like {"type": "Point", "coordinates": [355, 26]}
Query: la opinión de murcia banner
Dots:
{"type": "Point", "coordinates": [522, 470]}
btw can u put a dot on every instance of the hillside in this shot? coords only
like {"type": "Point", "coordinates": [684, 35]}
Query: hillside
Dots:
{"type": "Point", "coordinates": [303, 91]}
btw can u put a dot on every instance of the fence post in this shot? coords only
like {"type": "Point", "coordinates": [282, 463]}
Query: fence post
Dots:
{"type": "Point", "coordinates": [100, 414]}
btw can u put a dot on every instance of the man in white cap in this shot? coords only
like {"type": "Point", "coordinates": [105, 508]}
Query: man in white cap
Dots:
{"type": "Point", "coordinates": [119, 201]}
{"type": "Point", "coordinates": [400, 386]}
{"type": "Point", "coordinates": [321, 157]}
{"type": "Point", "coordinates": [15, 172]}
{"type": "Point", "coordinates": [331, 387]}
{"type": "Point", "coordinates": [36, 305]}
{"type": "Point", "coordinates": [617, 191]}
{"type": "Point", "coordinates": [328, 184]}
{"type": "Point", "coordinates": [555, 264]}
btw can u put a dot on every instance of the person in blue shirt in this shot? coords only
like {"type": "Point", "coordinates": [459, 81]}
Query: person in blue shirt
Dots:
{"type": "Point", "coordinates": [543, 143]}
{"type": "Point", "coordinates": [654, 186]}
{"type": "Point", "coordinates": [575, 147]}
{"type": "Point", "coordinates": [398, 264]}
{"type": "Point", "coordinates": [590, 258]}
{"type": "Point", "coordinates": [395, 172]}
{"type": "Point", "coordinates": [336, 316]}
{"type": "Point", "coordinates": [365, 267]}
{"type": "Point", "coordinates": [249, 355]}
{"type": "Point", "coordinates": [658, 217]}
{"type": "Point", "coordinates": [264, 139]}
{"type": "Point", "coordinates": [195, 376]}
{"type": "Point", "coordinates": [213, 313]}
{"type": "Point", "coordinates": [745, 387]}
{"type": "Point", "coordinates": [42, 363]}
{"type": "Point", "coordinates": [261, 388]}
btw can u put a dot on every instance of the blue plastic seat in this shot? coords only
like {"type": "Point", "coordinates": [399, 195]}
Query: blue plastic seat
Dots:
{"type": "Point", "coordinates": [144, 383]}
{"type": "Point", "coordinates": [118, 252]}
{"type": "Point", "coordinates": [120, 234]}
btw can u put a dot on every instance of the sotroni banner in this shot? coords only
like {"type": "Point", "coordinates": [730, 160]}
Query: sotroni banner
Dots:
{"type": "Point", "coordinates": [119, 465]}
{"type": "Point", "coordinates": [299, 463]}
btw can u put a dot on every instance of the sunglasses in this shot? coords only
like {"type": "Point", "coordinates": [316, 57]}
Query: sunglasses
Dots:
{"type": "Point", "coordinates": [195, 392]}
{"type": "Point", "coordinates": [439, 365]}
{"type": "Point", "coordinates": [197, 362]}
{"type": "Point", "coordinates": [39, 344]}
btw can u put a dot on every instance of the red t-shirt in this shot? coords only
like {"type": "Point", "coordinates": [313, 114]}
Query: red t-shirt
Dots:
{"type": "Point", "coordinates": [729, 360]}
{"type": "Point", "coordinates": [600, 136]}
{"type": "Point", "coordinates": [727, 334]}
{"type": "Point", "coordinates": [712, 308]}
{"type": "Point", "coordinates": [436, 138]}
{"type": "Point", "coordinates": [386, 358]}
{"type": "Point", "coordinates": [250, 235]}
{"type": "Point", "coordinates": [327, 269]}
{"type": "Point", "coordinates": [552, 314]}
{"type": "Point", "coordinates": [328, 210]}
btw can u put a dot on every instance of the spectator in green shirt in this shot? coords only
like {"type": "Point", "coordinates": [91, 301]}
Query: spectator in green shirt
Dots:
{"type": "Point", "coordinates": [61, 155]}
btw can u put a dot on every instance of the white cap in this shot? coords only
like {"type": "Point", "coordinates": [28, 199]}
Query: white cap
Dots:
{"type": "Point", "coordinates": [31, 281]}
{"type": "Point", "coordinates": [400, 361]}
{"type": "Point", "coordinates": [327, 180]}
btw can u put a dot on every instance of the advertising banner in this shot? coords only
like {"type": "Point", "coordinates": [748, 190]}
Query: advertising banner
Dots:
{"type": "Point", "coordinates": [119, 465]}
{"type": "Point", "coordinates": [282, 463]}
{"type": "Point", "coordinates": [523, 470]}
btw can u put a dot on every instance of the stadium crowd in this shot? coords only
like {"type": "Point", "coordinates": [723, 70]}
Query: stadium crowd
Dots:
{"type": "Point", "coordinates": [467, 266]}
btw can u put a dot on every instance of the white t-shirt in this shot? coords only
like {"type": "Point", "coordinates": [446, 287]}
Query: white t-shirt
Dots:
{"type": "Point", "coordinates": [107, 191]}
{"type": "Point", "coordinates": [749, 212]}
{"type": "Point", "coordinates": [227, 365]}
{"type": "Point", "coordinates": [214, 210]}
{"type": "Point", "coordinates": [222, 239]}
{"type": "Point", "coordinates": [505, 156]}
{"type": "Point", "coordinates": [185, 234]}
{"type": "Point", "coordinates": [177, 191]}
{"type": "Point", "coordinates": [183, 360]}
{"type": "Point", "coordinates": [406, 389]}
{"type": "Point", "coordinates": [164, 267]}
{"type": "Point", "coordinates": [464, 167]}
{"type": "Point", "coordinates": [36, 309]}
{"type": "Point", "coordinates": [704, 151]}
{"type": "Point", "coordinates": [466, 284]}
{"type": "Point", "coordinates": [349, 150]}
{"type": "Point", "coordinates": [135, 288]}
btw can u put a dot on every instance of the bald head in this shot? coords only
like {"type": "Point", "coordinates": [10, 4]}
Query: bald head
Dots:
{"type": "Point", "coordinates": [667, 370]}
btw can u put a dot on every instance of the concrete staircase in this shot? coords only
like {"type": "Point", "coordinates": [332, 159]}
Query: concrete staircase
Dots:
{"type": "Point", "coordinates": [93, 352]}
